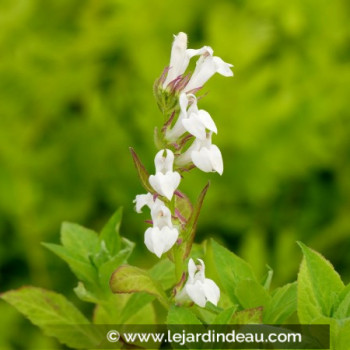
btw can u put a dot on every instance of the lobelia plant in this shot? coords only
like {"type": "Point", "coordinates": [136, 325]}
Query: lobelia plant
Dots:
{"type": "Point", "coordinates": [176, 290]}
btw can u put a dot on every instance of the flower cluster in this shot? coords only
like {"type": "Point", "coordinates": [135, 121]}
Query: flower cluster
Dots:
{"type": "Point", "coordinates": [184, 142]}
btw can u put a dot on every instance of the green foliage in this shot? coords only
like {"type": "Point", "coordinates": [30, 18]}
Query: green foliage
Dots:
{"type": "Point", "coordinates": [131, 279]}
{"type": "Point", "coordinates": [231, 269]}
{"type": "Point", "coordinates": [253, 299]}
{"type": "Point", "coordinates": [282, 305]}
{"type": "Point", "coordinates": [180, 315]}
{"type": "Point", "coordinates": [54, 314]}
{"type": "Point", "coordinates": [321, 295]}
{"type": "Point", "coordinates": [93, 257]}
{"type": "Point", "coordinates": [319, 286]}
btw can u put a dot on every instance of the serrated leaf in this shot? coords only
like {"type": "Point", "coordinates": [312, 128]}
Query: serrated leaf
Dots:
{"type": "Point", "coordinates": [82, 241]}
{"type": "Point", "coordinates": [79, 247]}
{"type": "Point", "coordinates": [141, 171]}
{"type": "Point", "coordinates": [131, 279]}
{"type": "Point", "coordinates": [179, 315]}
{"type": "Point", "coordinates": [192, 223]}
{"type": "Point", "coordinates": [251, 294]}
{"type": "Point", "coordinates": [110, 233]}
{"type": "Point", "coordinates": [231, 269]}
{"type": "Point", "coordinates": [283, 304]}
{"type": "Point", "coordinates": [319, 286]}
{"type": "Point", "coordinates": [54, 314]}
{"type": "Point", "coordinates": [79, 265]}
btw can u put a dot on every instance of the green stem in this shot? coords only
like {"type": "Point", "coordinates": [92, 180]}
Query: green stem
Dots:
{"type": "Point", "coordinates": [178, 264]}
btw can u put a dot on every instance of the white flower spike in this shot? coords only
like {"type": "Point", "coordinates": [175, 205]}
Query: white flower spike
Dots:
{"type": "Point", "coordinates": [204, 155]}
{"type": "Point", "coordinates": [162, 236]}
{"type": "Point", "coordinates": [165, 181]}
{"type": "Point", "coordinates": [206, 66]}
{"type": "Point", "coordinates": [198, 288]}
{"type": "Point", "coordinates": [180, 57]}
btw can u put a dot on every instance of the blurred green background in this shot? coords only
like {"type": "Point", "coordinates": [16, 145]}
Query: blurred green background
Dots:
{"type": "Point", "coordinates": [76, 91]}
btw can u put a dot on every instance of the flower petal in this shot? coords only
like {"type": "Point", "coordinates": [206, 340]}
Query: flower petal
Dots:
{"type": "Point", "coordinates": [160, 241]}
{"type": "Point", "coordinates": [222, 67]}
{"type": "Point", "coordinates": [141, 200]}
{"type": "Point", "coordinates": [207, 120]}
{"type": "Point", "coordinates": [161, 216]}
{"type": "Point", "coordinates": [196, 293]}
{"type": "Point", "coordinates": [202, 160]}
{"type": "Point", "coordinates": [194, 126]}
{"type": "Point", "coordinates": [216, 159]}
{"type": "Point", "coordinates": [178, 59]}
{"type": "Point", "coordinates": [211, 291]}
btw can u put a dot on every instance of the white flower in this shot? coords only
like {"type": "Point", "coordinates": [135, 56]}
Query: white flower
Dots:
{"type": "Point", "coordinates": [145, 199]}
{"type": "Point", "coordinates": [180, 57]}
{"type": "Point", "coordinates": [206, 66]}
{"type": "Point", "coordinates": [194, 120]}
{"type": "Point", "coordinates": [198, 120]}
{"type": "Point", "coordinates": [178, 129]}
{"type": "Point", "coordinates": [198, 288]}
{"type": "Point", "coordinates": [204, 155]}
{"type": "Point", "coordinates": [165, 181]}
{"type": "Point", "coordinates": [162, 236]}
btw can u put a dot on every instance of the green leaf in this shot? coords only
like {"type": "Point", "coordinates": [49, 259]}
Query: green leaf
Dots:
{"type": "Point", "coordinates": [110, 233]}
{"type": "Point", "coordinates": [141, 171]}
{"type": "Point", "coordinates": [79, 265]}
{"type": "Point", "coordinates": [342, 308]}
{"type": "Point", "coordinates": [340, 334]}
{"type": "Point", "coordinates": [225, 316]}
{"type": "Point", "coordinates": [283, 304]}
{"type": "Point", "coordinates": [111, 312]}
{"type": "Point", "coordinates": [266, 281]}
{"type": "Point", "coordinates": [162, 272]}
{"type": "Point", "coordinates": [251, 294]}
{"type": "Point", "coordinates": [54, 314]}
{"type": "Point", "coordinates": [248, 316]}
{"type": "Point", "coordinates": [135, 303]}
{"type": "Point", "coordinates": [319, 286]}
{"type": "Point", "coordinates": [85, 295]}
{"type": "Point", "coordinates": [192, 223]}
{"type": "Point", "coordinates": [82, 241]}
{"type": "Point", "coordinates": [80, 245]}
{"type": "Point", "coordinates": [106, 269]}
{"type": "Point", "coordinates": [179, 315]}
{"type": "Point", "coordinates": [131, 279]}
{"type": "Point", "coordinates": [231, 269]}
